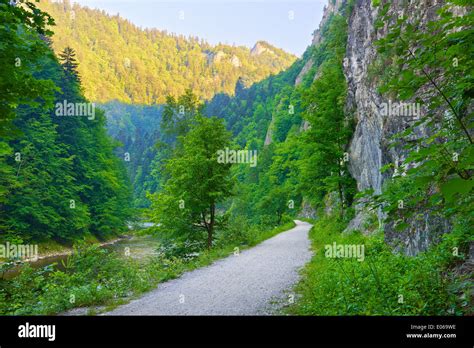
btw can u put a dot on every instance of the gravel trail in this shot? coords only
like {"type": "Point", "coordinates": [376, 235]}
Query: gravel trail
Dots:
{"type": "Point", "coordinates": [255, 282]}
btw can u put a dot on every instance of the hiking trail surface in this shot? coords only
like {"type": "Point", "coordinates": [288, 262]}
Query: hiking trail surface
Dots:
{"type": "Point", "coordinates": [258, 281]}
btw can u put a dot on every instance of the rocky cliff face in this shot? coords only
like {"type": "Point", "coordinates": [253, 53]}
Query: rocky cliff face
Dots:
{"type": "Point", "coordinates": [260, 48]}
{"type": "Point", "coordinates": [369, 147]}
{"type": "Point", "coordinates": [332, 7]}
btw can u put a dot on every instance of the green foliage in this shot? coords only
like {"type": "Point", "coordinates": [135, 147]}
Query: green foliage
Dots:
{"type": "Point", "coordinates": [119, 61]}
{"type": "Point", "coordinates": [271, 106]}
{"type": "Point", "coordinates": [293, 163]}
{"type": "Point", "coordinates": [38, 205]}
{"type": "Point", "coordinates": [173, 155]}
{"type": "Point", "coordinates": [137, 128]}
{"type": "Point", "coordinates": [249, 113]}
{"type": "Point", "coordinates": [179, 114]}
{"type": "Point", "coordinates": [69, 64]}
{"type": "Point", "coordinates": [196, 181]}
{"type": "Point", "coordinates": [62, 179]}
{"type": "Point", "coordinates": [19, 57]}
{"type": "Point", "coordinates": [383, 283]}
{"type": "Point", "coordinates": [95, 276]}
{"type": "Point", "coordinates": [431, 65]}
{"type": "Point", "coordinates": [326, 142]}
{"type": "Point", "coordinates": [92, 276]}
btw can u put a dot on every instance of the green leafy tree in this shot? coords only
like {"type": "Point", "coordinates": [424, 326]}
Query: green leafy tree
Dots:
{"type": "Point", "coordinates": [275, 203]}
{"type": "Point", "coordinates": [61, 179]}
{"type": "Point", "coordinates": [324, 164]}
{"type": "Point", "coordinates": [179, 113]}
{"type": "Point", "coordinates": [44, 202]}
{"type": "Point", "coordinates": [19, 54]}
{"type": "Point", "coordinates": [197, 182]}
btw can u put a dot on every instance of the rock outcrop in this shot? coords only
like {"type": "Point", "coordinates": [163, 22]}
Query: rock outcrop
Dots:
{"type": "Point", "coordinates": [235, 61]}
{"type": "Point", "coordinates": [332, 8]}
{"type": "Point", "coordinates": [369, 148]}
{"type": "Point", "coordinates": [260, 48]}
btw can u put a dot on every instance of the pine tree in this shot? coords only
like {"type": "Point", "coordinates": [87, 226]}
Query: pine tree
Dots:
{"type": "Point", "coordinates": [70, 64]}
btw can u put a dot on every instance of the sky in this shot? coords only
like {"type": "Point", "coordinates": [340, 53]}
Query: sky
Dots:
{"type": "Point", "coordinates": [287, 24]}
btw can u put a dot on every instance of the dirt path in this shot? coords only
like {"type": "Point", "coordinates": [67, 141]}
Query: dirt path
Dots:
{"type": "Point", "coordinates": [254, 282]}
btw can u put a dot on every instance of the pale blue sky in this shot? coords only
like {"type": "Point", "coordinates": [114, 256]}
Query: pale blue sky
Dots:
{"type": "Point", "coordinates": [287, 24]}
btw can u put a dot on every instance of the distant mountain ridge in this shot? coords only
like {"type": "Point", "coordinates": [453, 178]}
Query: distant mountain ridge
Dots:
{"type": "Point", "coordinates": [120, 61]}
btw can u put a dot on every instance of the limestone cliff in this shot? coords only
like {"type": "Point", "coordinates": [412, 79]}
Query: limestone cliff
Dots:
{"type": "Point", "coordinates": [369, 149]}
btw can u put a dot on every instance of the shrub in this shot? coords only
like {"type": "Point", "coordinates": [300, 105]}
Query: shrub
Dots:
{"type": "Point", "coordinates": [383, 283]}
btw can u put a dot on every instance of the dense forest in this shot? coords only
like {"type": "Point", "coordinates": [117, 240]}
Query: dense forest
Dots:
{"type": "Point", "coordinates": [60, 178]}
{"type": "Point", "coordinates": [307, 127]}
{"type": "Point", "coordinates": [120, 61]}
{"type": "Point", "coordinates": [275, 112]}
{"type": "Point", "coordinates": [137, 128]}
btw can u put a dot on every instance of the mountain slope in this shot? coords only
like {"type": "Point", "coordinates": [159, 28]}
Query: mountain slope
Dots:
{"type": "Point", "coordinates": [118, 60]}
{"type": "Point", "coordinates": [60, 178]}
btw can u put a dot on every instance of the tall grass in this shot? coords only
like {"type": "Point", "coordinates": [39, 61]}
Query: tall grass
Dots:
{"type": "Point", "coordinates": [383, 283]}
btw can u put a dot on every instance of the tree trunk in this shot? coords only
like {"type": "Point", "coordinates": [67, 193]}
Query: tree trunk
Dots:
{"type": "Point", "coordinates": [210, 229]}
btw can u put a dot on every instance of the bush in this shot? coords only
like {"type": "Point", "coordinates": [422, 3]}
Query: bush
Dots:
{"type": "Point", "coordinates": [383, 283]}
{"type": "Point", "coordinates": [237, 232]}
{"type": "Point", "coordinates": [92, 276]}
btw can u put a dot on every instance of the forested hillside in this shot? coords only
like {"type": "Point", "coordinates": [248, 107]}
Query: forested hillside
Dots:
{"type": "Point", "coordinates": [60, 179]}
{"type": "Point", "coordinates": [137, 128]}
{"type": "Point", "coordinates": [125, 68]}
{"type": "Point", "coordinates": [120, 61]}
{"type": "Point", "coordinates": [275, 112]}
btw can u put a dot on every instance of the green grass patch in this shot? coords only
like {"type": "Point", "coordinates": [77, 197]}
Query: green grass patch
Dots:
{"type": "Point", "coordinates": [383, 283]}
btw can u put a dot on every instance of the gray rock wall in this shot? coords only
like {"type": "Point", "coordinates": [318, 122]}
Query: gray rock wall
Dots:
{"type": "Point", "coordinates": [369, 146]}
